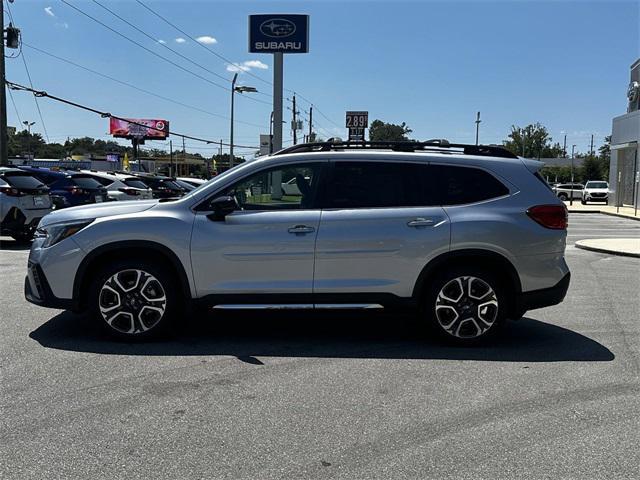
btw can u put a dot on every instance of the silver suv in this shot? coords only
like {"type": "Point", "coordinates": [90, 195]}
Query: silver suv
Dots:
{"type": "Point", "coordinates": [468, 235]}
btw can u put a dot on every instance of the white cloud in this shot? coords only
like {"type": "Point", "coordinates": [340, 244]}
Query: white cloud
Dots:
{"type": "Point", "coordinates": [207, 40]}
{"type": "Point", "coordinates": [49, 11]}
{"type": "Point", "coordinates": [235, 67]}
{"type": "Point", "coordinates": [180, 40]}
{"type": "Point", "coordinates": [256, 64]}
{"type": "Point", "coordinates": [162, 41]}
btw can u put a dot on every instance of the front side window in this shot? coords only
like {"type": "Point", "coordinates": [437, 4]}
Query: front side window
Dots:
{"type": "Point", "coordinates": [282, 188]}
{"type": "Point", "coordinates": [375, 185]}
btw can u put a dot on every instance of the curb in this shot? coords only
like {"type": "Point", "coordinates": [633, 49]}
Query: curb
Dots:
{"type": "Point", "coordinates": [606, 250]}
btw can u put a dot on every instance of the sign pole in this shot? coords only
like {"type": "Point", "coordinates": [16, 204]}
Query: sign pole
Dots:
{"type": "Point", "coordinates": [278, 60]}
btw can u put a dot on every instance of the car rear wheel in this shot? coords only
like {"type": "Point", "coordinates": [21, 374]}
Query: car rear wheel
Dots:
{"type": "Point", "coordinates": [465, 305]}
{"type": "Point", "coordinates": [563, 196]}
{"type": "Point", "coordinates": [134, 300]}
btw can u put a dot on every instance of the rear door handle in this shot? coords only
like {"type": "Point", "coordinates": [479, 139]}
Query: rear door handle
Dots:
{"type": "Point", "coordinates": [421, 222]}
{"type": "Point", "coordinates": [301, 229]}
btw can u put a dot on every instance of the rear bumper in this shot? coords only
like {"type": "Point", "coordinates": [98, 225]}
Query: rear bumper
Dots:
{"type": "Point", "coordinates": [38, 291]}
{"type": "Point", "coordinates": [544, 297]}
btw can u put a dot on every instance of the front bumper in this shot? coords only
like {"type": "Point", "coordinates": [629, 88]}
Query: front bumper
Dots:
{"type": "Point", "coordinates": [38, 291]}
{"type": "Point", "coordinates": [544, 297]}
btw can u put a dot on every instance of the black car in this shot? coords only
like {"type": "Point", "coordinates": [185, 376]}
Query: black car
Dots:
{"type": "Point", "coordinates": [162, 187]}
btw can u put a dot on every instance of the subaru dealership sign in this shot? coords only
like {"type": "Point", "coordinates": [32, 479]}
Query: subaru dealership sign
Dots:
{"type": "Point", "coordinates": [278, 33]}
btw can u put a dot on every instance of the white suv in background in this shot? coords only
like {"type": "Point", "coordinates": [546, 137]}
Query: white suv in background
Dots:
{"type": "Point", "coordinates": [595, 191]}
{"type": "Point", "coordinates": [121, 187]}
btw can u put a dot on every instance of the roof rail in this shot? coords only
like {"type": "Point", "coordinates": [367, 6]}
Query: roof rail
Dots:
{"type": "Point", "coordinates": [438, 145]}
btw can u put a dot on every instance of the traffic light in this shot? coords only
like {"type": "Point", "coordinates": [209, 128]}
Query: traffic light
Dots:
{"type": "Point", "coordinates": [13, 36]}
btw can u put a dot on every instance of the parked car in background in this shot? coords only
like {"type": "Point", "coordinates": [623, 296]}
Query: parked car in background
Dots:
{"type": "Point", "coordinates": [567, 191]}
{"type": "Point", "coordinates": [24, 200]}
{"type": "Point", "coordinates": [69, 188]}
{"type": "Point", "coordinates": [185, 185]}
{"type": "Point", "coordinates": [595, 191]}
{"type": "Point", "coordinates": [161, 187]}
{"type": "Point", "coordinates": [121, 187]}
{"type": "Point", "coordinates": [196, 182]}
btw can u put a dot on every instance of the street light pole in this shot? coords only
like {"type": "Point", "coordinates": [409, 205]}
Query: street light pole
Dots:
{"type": "Point", "coordinates": [573, 149]}
{"type": "Point", "coordinates": [29, 125]}
{"type": "Point", "coordinates": [477, 126]}
{"type": "Point", "coordinates": [234, 89]}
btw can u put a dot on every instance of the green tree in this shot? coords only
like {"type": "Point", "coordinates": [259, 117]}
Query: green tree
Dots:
{"type": "Point", "coordinates": [591, 169]}
{"type": "Point", "coordinates": [21, 143]}
{"type": "Point", "coordinates": [532, 141]}
{"type": "Point", "coordinates": [380, 131]}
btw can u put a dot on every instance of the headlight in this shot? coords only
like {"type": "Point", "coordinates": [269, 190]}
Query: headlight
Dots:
{"type": "Point", "coordinates": [59, 231]}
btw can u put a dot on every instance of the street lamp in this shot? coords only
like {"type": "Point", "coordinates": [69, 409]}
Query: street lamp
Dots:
{"type": "Point", "coordinates": [29, 125]}
{"type": "Point", "coordinates": [573, 150]}
{"type": "Point", "coordinates": [234, 89]}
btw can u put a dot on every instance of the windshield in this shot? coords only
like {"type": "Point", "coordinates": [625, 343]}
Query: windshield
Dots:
{"type": "Point", "coordinates": [86, 182]}
{"type": "Point", "coordinates": [597, 185]}
{"type": "Point", "coordinates": [23, 181]}
{"type": "Point", "coordinates": [135, 183]}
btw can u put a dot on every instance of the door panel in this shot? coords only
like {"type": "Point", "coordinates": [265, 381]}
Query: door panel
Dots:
{"type": "Point", "coordinates": [375, 250]}
{"type": "Point", "coordinates": [267, 244]}
{"type": "Point", "coordinates": [254, 252]}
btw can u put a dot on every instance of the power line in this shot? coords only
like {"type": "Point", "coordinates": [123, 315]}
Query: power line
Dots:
{"type": "Point", "coordinates": [222, 57]}
{"type": "Point", "coordinates": [35, 99]}
{"type": "Point", "coordinates": [177, 65]}
{"type": "Point", "coordinates": [136, 87]}
{"type": "Point", "coordinates": [41, 93]}
{"type": "Point", "coordinates": [14, 105]}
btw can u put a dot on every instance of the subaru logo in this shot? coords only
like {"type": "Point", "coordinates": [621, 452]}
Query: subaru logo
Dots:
{"type": "Point", "coordinates": [277, 28]}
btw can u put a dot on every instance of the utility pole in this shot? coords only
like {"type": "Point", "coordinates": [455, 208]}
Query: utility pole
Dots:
{"type": "Point", "coordinates": [233, 90]}
{"type": "Point", "coordinates": [184, 155]}
{"type": "Point", "coordinates": [564, 147]}
{"type": "Point", "coordinates": [170, 157]}
{"type": "Point", "coordinates": [4, 139]}
{"type": "Point", "coordinates": [294, 124]}
{"type": "Point", "coordinates": [29, 125]}
{"type": "Point", "coordinates": [591, 148]}
{"type": "Point", "coordinates": [573, 149]}
{"type": "Point", "coordinates": [278, 61]}
{"type": "Point", "coordinates": [310, 123]}
{"type": "Point", "coordinates": [524, 136]}
{"type": "Point", "coordinates": [478, 121]}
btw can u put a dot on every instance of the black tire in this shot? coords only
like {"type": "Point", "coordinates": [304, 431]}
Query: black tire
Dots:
{"type": "Point", "coordinates": [435, 312]}
{"type": "Point", "coordinates": [563, 197]}
{"type": "Point", "coordinates": [142, 323]}
{"type": "Point", "coordinates": [583, 201]}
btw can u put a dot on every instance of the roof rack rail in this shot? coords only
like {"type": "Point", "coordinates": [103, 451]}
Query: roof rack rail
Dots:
{"type": "Point", "coordinates": [438, 145]}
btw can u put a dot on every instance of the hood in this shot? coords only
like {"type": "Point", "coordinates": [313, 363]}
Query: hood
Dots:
{"type": "Point", "coordinates": [97, 210]}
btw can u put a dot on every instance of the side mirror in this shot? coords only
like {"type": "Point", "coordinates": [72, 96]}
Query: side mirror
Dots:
{"type": "Point", "coordinates": [222, 206]}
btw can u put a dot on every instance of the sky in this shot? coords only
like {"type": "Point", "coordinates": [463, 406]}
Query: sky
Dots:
{"type": "Point", "coordinates": [432, 65]}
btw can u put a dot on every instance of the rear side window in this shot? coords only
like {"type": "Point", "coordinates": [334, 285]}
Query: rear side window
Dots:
{"type": "Point", "coordinates": [104, 181]}
{"type": "Point", "coordinates": [23, 181]}
{"type": "Point", "coordinates": [375, 184]}
{"type": "Point", "coordinates": [455, 185]}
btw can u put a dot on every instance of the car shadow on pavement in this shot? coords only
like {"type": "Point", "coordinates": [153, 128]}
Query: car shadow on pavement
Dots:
{"type": "Point", "coordinates": [326, 335]}
{"type": "Point", "coordinates": [10, 244]}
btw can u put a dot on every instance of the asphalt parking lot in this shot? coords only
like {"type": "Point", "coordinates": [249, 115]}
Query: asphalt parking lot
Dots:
{"type": "Point", "coordinates": [331, 396]}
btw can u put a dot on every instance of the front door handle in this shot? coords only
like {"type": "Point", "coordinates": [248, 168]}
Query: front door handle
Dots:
{"type": "Point", "coordinates": [420, 222]}
{"type": "Point", "coordinates": [301, 229]}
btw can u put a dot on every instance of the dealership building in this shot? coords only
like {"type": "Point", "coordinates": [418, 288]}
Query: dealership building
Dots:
{"type": "Point", "coordinates": [624, 176]}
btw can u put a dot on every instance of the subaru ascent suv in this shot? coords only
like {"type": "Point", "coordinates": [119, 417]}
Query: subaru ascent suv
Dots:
{"type": "Point", "coordinates": [468, 236]}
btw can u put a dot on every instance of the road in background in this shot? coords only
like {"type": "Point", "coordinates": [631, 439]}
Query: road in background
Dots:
{"type": "Point", "coordinates": [302, 395]}
{"type": "Point", "coordinates": [596, 225]}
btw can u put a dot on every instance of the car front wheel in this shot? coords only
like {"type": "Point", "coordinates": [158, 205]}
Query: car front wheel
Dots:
{"type": "Point", "coordinates": [134, 300]}
{"type": "Point", "coordinates": [563, 197]}
{"type": "Point", "coordinates": [465, 305]}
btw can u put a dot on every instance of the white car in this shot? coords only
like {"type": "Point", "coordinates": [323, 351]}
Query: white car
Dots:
{"type": "Point", "coordinates": [121, 187]}
{"type": "Point", "coordinates": [196, 182]}
{"type": "Point", "coordinates": [291, 187]}
{"type": "Point", "coordinates": [566, 191]}
{"type": "Point", "coordinates": [595, 191]}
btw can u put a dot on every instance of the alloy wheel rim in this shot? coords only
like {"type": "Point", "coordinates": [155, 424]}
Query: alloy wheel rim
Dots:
{"type": "Point", "coordinates": [132, 301]}
{"type": "Point", "coordinates": [466, 307]}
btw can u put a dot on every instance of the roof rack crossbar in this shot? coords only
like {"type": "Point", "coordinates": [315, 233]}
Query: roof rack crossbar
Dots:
{"type": "Point", "coordinates": [441, 145]}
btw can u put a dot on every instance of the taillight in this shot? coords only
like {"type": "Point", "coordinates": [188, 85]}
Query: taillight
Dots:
{"type": "Point", "coordinates": [550, 216]}
{"type": "Point", "coordinates": [11, 191]}
{"type": "Point", "coordinates": [129, 191]}
{"type": "Point", "coordinates": [74, 190]}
